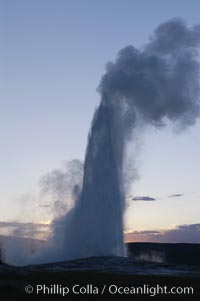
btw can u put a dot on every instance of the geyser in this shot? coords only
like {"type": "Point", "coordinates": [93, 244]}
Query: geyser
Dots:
{"type": "Point", "coordinates": [149, 86]}
{"type": "Point", "coordinates": [97, 219]}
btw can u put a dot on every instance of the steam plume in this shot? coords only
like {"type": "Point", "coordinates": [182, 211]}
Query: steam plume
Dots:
{"type": "Point", "coordinates": [160, 81]}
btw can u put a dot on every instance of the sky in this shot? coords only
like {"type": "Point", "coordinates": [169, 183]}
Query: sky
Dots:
{"type": "Point", "coordinates": [53, 54]}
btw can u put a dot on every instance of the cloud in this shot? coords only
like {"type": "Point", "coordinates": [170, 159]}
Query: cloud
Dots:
{"type": "Point", "coordinates": [180, 234]}
{"type": "Point", "coordinates": [146, 232]}
{"type": "Point", "coordinates": [143, 198]}
{"type": "Point", "coordinates": [18, 224]}
{"type": "Point", "coordinates": [175, 195]}
{"type": "Point", "coordinates": [192, 227]}
{"type": "Point", "coordinates": [18, 229]}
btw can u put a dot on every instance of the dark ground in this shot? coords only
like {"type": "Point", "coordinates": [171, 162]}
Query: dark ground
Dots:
{"type": "Point", "coordinates": [122, 272]}
{"type": "Point", "coordinates": [14, 289]}
{"type": "Point", "coordinates": [179, 253]}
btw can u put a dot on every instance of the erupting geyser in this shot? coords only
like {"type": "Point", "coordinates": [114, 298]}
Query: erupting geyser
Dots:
{"type": "Point", "coordinates": [149, 86]}
{"type": "Point", "coordinates": [97, 217]}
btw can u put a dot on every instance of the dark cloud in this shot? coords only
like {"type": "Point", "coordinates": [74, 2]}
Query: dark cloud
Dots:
{"type": "Point", "coordinates": [175, 195]}
{"type": "Point", "coordinates": [179, 234]}
{"type": "Point", "coordinates": [192, 227]}
{"type": "Point", "coordinates": [143, 198]}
